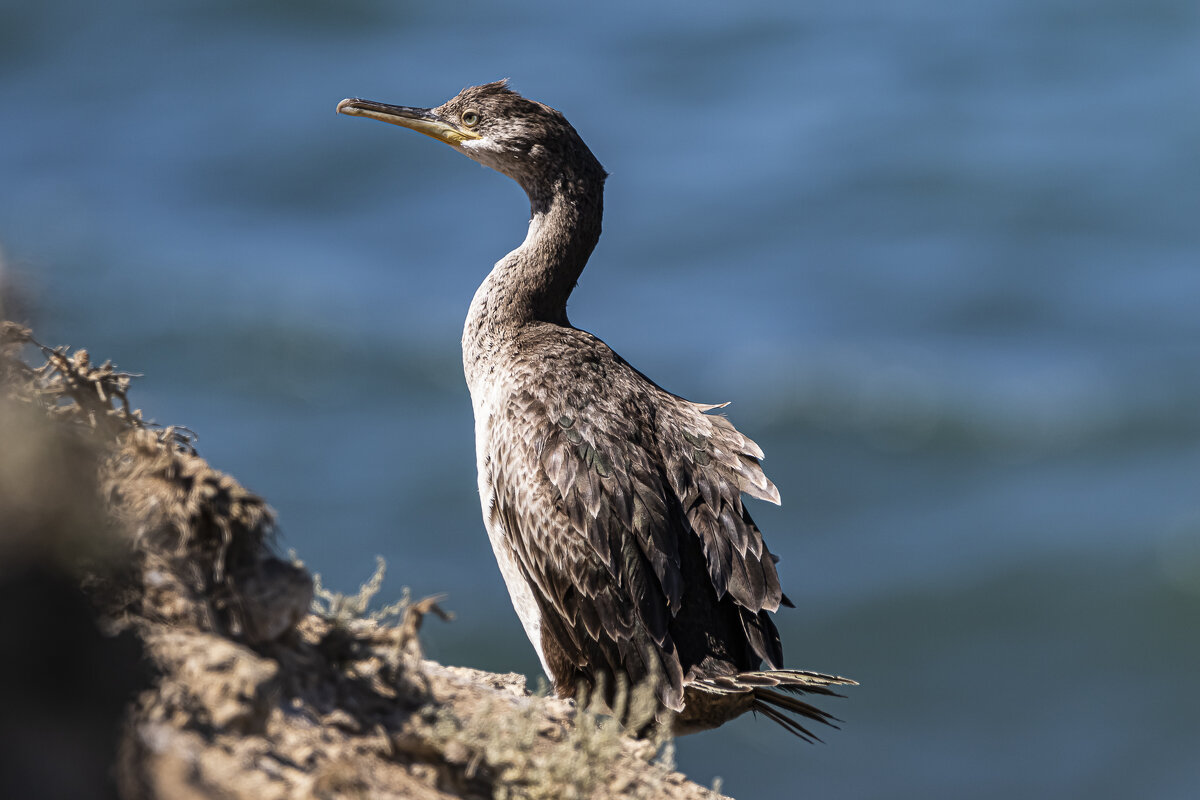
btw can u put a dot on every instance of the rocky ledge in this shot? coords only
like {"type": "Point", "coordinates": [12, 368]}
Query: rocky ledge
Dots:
{"type": "Point", "coordinates": [158, 647]}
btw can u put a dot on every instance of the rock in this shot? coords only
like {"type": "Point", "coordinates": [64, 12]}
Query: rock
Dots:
{"type": "Point", "coordinates": [248, 693]}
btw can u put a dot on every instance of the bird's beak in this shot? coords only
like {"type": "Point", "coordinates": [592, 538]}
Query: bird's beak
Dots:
{"type": "Point", "coordinates": [421, 120]}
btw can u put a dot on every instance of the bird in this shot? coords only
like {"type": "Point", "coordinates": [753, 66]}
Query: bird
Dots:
{"type": "Point", "coordinates": [613, 507]}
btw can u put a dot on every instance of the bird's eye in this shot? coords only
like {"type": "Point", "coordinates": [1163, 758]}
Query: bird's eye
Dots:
{"type": "Point", "coordinates": [470, 118]}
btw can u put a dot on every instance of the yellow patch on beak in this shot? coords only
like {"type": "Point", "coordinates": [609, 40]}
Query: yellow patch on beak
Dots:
{"type": "Point", "coordinates": [421, 120]}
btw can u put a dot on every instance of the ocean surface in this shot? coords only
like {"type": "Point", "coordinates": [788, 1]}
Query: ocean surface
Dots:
{"type": "Point", "coordinates": [943, 258]}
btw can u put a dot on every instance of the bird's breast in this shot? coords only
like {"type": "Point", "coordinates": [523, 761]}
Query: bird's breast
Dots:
{"type": "Point", "coordinates": [487, 398]}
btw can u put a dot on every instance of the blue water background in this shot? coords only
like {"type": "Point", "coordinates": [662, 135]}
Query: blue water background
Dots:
{"type": "Point", "coordinates": [943, 258]}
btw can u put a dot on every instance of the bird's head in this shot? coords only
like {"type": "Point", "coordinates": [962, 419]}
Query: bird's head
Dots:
{"type": "Point", "coordinates": [530, 142]}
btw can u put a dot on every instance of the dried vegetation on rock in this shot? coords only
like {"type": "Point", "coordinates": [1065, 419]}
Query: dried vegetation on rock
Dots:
{"type": "Point", "coordinates": [216, 675]}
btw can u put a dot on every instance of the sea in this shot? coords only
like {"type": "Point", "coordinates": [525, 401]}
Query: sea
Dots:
{"type": "Point", "coordinates": [943, 259]}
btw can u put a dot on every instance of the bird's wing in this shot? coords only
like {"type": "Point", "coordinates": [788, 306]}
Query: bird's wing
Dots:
{"type": "Point", "coordinates": [588, 524]}
{"type": "Point", "coordinates": [596, 493]}
{"type": "Point", "coordinates": [709, 464]}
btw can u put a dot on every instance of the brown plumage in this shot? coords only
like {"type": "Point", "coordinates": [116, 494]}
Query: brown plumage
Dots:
{"type": "Point", "coordinates": [613, 506]}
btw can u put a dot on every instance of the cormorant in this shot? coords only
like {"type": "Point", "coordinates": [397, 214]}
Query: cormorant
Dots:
{"type": "Point", "coordinates": [613, 506]}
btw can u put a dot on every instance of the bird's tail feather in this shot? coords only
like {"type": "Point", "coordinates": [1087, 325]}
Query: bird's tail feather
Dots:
{"type": "Point", "coordinates": [772, 692]}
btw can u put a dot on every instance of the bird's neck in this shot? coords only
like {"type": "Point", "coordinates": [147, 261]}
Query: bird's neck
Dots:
{"type": "Point", "coordinates": [532, 283]}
